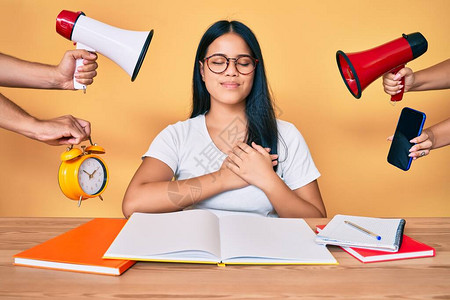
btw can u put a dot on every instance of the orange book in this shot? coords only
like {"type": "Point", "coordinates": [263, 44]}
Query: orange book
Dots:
{"type": "Point", "coordinates": [80, 249]}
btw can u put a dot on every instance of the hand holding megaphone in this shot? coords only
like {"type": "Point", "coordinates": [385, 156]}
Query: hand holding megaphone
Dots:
{"type": "Point", "coordinates": [399, 82]}
{"type": "Point", "coordinates": [360, 69]}
{"type": "Point", "coordinates": [66, 68]}
{"type": "Point", "coordinates": [79, 62]}
{"type": "Point", "coordinates": [125, 47]}
{"type": "Point", "coordinates": [399, 95]}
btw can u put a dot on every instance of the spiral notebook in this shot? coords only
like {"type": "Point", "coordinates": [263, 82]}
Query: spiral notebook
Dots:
{"type": "Point", "coordinates": [363, 232]}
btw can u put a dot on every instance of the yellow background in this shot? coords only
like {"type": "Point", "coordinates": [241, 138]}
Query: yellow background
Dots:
{"type": "Point", "coordinates": [299, 39]}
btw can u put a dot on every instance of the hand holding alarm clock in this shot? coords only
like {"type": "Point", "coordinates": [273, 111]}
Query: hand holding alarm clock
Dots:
{"type": "Point", "coordinates": [82, 174]}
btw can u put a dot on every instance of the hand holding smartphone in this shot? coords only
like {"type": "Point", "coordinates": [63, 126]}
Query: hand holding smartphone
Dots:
{"type": "Point", "coordinates": [409, 126]}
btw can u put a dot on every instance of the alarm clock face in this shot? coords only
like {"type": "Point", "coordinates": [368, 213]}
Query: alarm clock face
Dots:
{"type": "Point", "coordinates": [92, 176]}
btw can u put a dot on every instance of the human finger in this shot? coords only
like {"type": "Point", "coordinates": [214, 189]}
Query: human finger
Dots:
{"type": "Point", "coordinates": [86, 75]}
{"type": "Point", "coordinates": [421, 142]}
{"type": "Point", "coordinates": [75, 137]}
{"type": "Point", "coordinates": [233, 167]}
{"type": "Point", "coordinates": [390, 81]}
{"type": "Point", "coordinates": [244, 147]}
{"type": "Point", "coordinates": [390, 138]}
{"type": "Point", "coordinates": [421, 138]}
{"type": "Point", "coordinates": [422, 146]}
{"type": "Point", "coordinates": [88, 66]}
{"type": "Point", "coordinates": [274, 158]}
{"type": "Point", "coordinates": [392, 90]}
{"type": "Point", "coordinates": [75, 133]}
{"type": "Point", "coordinates": [233, 158]}
{"type": "Point", "coordinates": [87, 81]}
{"type": "Point", "coordinates": [259, 148]}
{"type": "Point", "coordinates": [418, 154]}
{"type": "Point", "coordinates": [85, 125]}
{"type": "Point", "coordinates": [391, 86]}
{"type": "Point", "coordinates": [388, 76]}
{"type": "Point", "coordinates": [74, 122]}
{"type": "Point", "coordinates": [85, 78]}
{"type": "Point", "coordinates": [236, 150]}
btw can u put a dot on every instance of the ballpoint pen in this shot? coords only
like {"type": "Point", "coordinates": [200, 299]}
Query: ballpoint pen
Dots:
{"type": "Point", "coordinates": [374, 235]}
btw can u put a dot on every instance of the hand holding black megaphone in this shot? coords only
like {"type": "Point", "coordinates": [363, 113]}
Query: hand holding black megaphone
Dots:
{"type": "Point", "coordinates": [125, 47]}
{"type": "Point", "coordinates": [361, 68]}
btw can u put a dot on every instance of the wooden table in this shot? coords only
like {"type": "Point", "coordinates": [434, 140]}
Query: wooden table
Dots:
{"type": "Point", "coordinates": [424, 278]}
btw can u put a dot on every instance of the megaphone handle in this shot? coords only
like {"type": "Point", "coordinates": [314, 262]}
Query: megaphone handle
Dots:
{"type": "Point", "coordinates": [399, 96]}
{"type": "Point", "coordinates": [76, 85]}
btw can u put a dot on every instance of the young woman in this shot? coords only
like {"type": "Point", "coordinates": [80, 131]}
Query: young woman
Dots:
{"type": "Point", "coordinates": [220, 158]}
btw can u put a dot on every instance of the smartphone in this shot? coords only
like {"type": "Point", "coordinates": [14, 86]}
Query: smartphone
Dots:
{"type": "Point", "coordinates": [409, 126]}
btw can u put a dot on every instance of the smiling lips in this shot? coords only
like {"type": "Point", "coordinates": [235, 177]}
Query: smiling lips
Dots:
{"type": "Point", "coordinates": [230, 85]}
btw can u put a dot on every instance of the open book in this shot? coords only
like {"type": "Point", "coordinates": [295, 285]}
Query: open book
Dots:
{"type": "Point", "coordinates": [199, 236]}
{"type": "Point", "coordinates": [363, 232]}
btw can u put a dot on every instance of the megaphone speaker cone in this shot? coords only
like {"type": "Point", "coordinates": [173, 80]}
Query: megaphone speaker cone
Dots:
{"type": "Point", "coordinates": [349, 74]}
{"type": "Point", "coordinates": [142, 55]}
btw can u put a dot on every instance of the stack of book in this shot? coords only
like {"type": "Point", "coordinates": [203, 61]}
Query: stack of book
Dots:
{"type": "Point", "coordinates": [372, 239]}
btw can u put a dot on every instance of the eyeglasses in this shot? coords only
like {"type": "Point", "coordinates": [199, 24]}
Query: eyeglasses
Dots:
{"type": "Point", "coordinates": [218, 63]}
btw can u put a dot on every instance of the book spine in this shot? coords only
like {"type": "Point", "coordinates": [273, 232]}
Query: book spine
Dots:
{"type": "Point", "coordinates": [399, 234]}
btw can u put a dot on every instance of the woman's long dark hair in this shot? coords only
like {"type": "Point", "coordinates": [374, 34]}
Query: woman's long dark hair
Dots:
{"type": "Point", "coordinates": [262, 125]}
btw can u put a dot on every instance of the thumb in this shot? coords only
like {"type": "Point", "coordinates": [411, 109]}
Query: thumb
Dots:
{"type": "Point", "coordinates": [390, 138]}
{"type": "Point", "coordinates": [402, 73]}
{"type": "Point", "coordinates": [86, 125]}
{"type": "Point", "coordinates": [84, 54]}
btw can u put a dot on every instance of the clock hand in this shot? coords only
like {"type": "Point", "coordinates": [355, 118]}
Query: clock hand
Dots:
{"type": "Point", "coordinates": [95, 171]}
{"type": "Point", "coordinates": [92, 175]}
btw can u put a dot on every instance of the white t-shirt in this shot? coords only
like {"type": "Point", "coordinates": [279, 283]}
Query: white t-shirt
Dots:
{"type": "Point", "coordinates": [187, 148]}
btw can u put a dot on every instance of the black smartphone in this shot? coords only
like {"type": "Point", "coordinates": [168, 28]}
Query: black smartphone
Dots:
{"type": "Point", "coordinates": [409, 126]}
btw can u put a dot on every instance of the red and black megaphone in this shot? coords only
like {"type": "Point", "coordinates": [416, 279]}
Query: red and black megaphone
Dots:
{"type": "Point", "coordinates": [360, 69]}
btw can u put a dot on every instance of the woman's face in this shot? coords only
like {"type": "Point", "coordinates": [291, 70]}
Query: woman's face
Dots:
{"type": "Point", "coordinates": [229, 87]}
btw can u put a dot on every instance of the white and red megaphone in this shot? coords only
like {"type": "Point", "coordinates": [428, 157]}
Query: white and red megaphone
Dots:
{"type": "Point", "coordinates": [125, 47]}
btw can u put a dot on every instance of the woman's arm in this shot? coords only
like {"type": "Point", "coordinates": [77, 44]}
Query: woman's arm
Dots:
{"type": "Point", "coordinates": [439, 134]}
{"type": "Point", "coordinates": [304, 202]}
{"type": "Point", "coordinates": [436, 77]}
{"type": "Point", "coordinates": [152, 188]}
{"type": "Point", "coordinates": [57, 131]}
{"type": "Point", "coordinates": [433, 137]}
{"type": "Point", "coordinates": [433, 78]}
